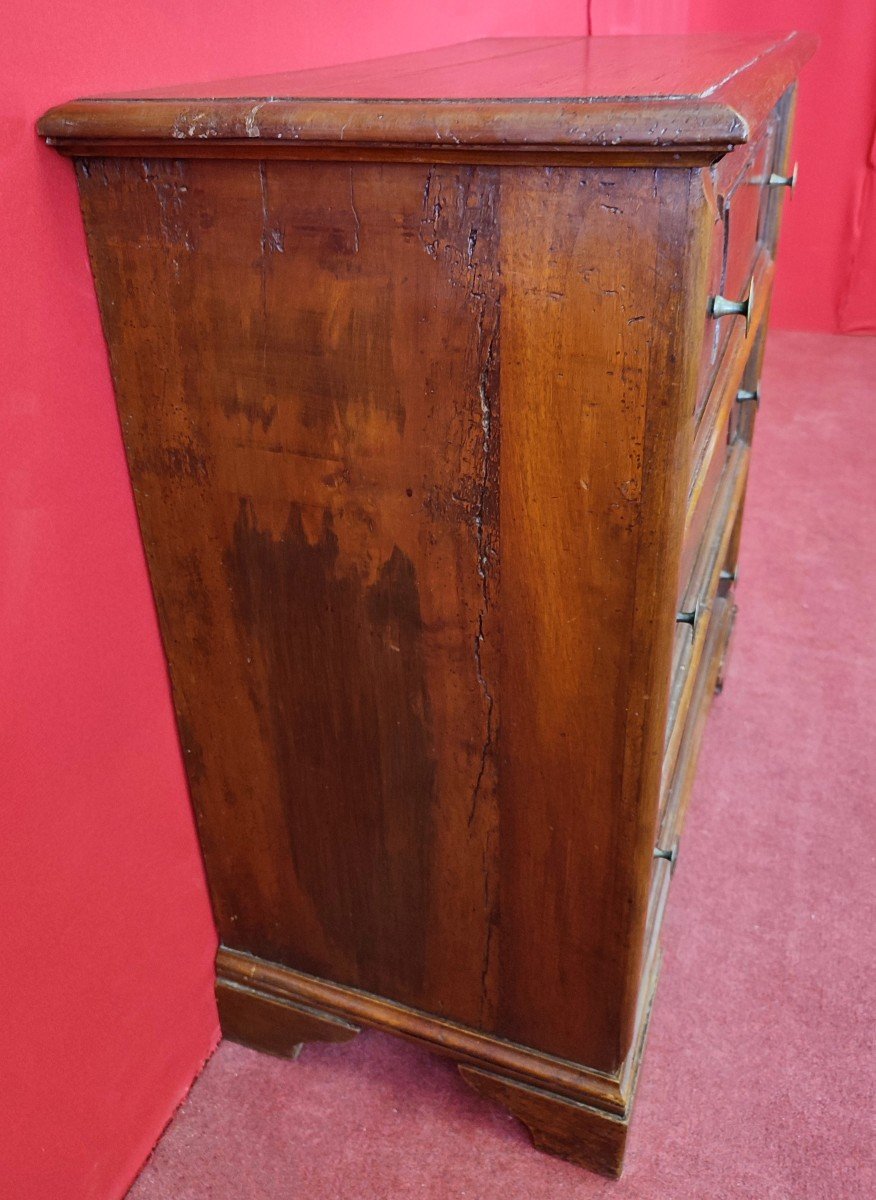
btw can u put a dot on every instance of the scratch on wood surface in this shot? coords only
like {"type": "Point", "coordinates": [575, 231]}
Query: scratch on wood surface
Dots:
{"type": "Point", "coordinates": [483, 549]}
{"type": "Point", "coordinates": [431, 215]}
{"type": "Point", "coordinates": [250, 123]}
{"type": "Point", "coordinates": [358, 224]}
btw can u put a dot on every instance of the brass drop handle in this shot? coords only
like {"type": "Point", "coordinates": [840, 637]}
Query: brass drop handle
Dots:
{"type": "Point", "coordinates": [720, 306]}
{"type": "Point", "coordinates": [788, 181]}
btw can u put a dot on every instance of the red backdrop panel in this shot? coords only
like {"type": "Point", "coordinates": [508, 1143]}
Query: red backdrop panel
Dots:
{"type": "Point", "coordinates": [858, 301]}
{"type": "Point", "coordinates": [828, 226]}
{"type": "Point", "coordinates": [106, 942]}
{"type": "Point", "coordinates": [825, 227]}
{"type": "Point", "coordinates": [827, 276]}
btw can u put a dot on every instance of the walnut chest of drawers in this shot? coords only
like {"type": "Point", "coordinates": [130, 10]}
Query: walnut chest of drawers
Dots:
{"type": "Point", "coordinates": [437, 378]}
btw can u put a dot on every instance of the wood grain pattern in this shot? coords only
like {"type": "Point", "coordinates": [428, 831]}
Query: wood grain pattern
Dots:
{"type": "Point", "coordinates": [709, 679]}
{"type": "Point", "coordinates": [579, 1134]}
{"type": "Point", "coordinates": [431, 436]}
{"type": "Point", "coordinates": [325, 471]}
{"type": "Point", "coordinates": [592, 1137]}
{"type": "Point", "coordinates": [592, 489]}
{"type": "Point", "coordinates": [272, 1025]}
{"type": "Point", "coordinates": [609, 1091]}
{"type": "Point", "coordinates": [309, 602]}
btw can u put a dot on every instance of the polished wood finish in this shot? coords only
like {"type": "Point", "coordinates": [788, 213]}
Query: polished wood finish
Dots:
{"type": "Point", "coordinates": [708, 93]}
{"type": "Point", "coordinates": [432, 439]}
{"type": "Point", "coordinates": [462, 1042]}
{"type": "Point", "coordinates": [586, 1136]}
{"type": "Point", "coordinates": [273, 1025]}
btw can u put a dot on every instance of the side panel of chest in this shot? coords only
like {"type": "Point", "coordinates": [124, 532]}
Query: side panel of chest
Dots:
{"type": "Point", "coordinates": [406, 443]}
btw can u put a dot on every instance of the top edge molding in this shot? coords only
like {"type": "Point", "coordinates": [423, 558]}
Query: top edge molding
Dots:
{"type": "Point", "coordinates": [692, 92]}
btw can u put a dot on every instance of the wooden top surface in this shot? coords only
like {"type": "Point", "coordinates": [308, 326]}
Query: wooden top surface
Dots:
{"type": "Point", "coordinates": [693, 90]}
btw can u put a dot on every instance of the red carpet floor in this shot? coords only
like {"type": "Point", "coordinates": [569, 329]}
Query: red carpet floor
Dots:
{"type": "Point", "coordinates": [758, 1080]}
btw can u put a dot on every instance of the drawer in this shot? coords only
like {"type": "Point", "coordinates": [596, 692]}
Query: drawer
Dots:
{"type": "Point", "coordinates": [677, 782]}
{"type": "Point", "coordinates": [661, 876]}
{"type": "Point", "coordinates": [707, 475]}
{"type": "Point", "coordinates": [744, 219]}
{"type": "Point", "coordinates": [699, 598]}
{"type": "Point", "coordinates": [780, 164]}
{"type": "Point", "coordinates": [739, 234]}
{"type": "Point", "coordinates": [739, 369]}
{"type": "Point", "coordinates": [676, 788]}
{"type": "Point", "coordinates": [724, 421]}
{"type": "Point", "coordinates": [714, 283]}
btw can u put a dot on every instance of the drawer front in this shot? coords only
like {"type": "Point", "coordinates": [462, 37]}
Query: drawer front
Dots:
{"type": "Point", "coordinates": [661, 877]}
{"type": "Point", "coordinates": [704, 587]}
{"type": "Point", "coordinates": [726, 420]}
{"type": "Point", "coordinates": [706, 480]}
{"type": "Point", "coordinates": [740, 231]}
{"type": "Point", "coordinates": [714, 283]}
{"type": "Point", "coordinates": [728, 415]}
{"type": "Point", "coordinates": [677, 782]}
{"type": "Point", "coordinates": [744, 220]}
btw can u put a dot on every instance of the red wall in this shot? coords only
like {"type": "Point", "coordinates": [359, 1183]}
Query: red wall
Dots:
{"type": "Point", "coordinates": [827, 276]}
{"type": "Point", "coordinates": [829, 224]}
{"type": "Point", "coordinates": [106, 941]}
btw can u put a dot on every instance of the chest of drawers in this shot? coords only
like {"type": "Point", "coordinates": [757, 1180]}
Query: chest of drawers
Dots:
{"type": "Point", "coordinates": [437, 378]}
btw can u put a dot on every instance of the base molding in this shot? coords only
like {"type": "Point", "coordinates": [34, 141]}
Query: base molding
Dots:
{"type": "Point", "coordinates": [569, 1109]}
{"type": "Point", "coordinates": [273, 1025]}
{"type": "Point", "coordinates": [319, 996]}
{"type": "Point", "coordinates": [587, 1136]}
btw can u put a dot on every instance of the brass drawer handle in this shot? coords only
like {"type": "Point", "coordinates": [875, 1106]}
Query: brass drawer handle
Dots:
{"type": "Point", "coordinates": [728, 579]}
{"type": "Point", "coordinates": [670, 855]}
{"type": "Point", "coordinates": [788, 181]}
{"type": "Point", "coordinates": [744, 394]}
{"type": "Point", "coordinates": [720, 306]}
{"type": "Point", "coordinates": [691, 617]}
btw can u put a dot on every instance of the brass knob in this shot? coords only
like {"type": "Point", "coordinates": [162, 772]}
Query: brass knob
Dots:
{"type": "Point", "coordinates": [670, 855]}
{"type": "Point", "coordinates": [690, 617]}
{"type": "Point", "coordinates": [720, 306]}
{"type": "Point", "coordinates": [728, 579]}
{"type": "Point", "coordinates": [788, 181]}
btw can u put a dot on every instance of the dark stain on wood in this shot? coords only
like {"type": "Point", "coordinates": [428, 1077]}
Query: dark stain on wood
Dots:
{"type": "Point", "coordinates": [355, 765]}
